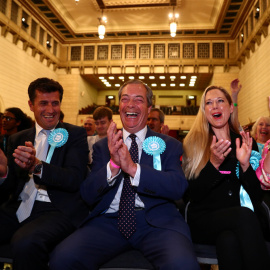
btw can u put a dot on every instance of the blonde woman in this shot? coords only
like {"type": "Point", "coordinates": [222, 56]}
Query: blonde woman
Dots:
{"type": "Point", "coordinates": [261, 131]}
{"type": "Point", "coordinates": [216, 161]}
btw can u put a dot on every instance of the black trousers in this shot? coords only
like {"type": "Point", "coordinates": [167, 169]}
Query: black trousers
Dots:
{"type": "Point", "coordinates": [238, 237]}
{"type": "Point", "coordinates": [33, 239]}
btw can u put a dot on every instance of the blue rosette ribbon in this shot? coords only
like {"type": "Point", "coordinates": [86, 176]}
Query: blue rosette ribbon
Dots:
{"type": "Point", "coordinates": [254, 162]}
{"type": "Point", "coordinates": [154, 146]}
{"type": "Point", "coordinates": [57, 138]}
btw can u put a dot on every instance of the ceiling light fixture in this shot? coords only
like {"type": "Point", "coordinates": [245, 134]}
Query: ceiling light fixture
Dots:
{"type": "Point", "coordinates": [173, 18]}
{"type": "Point", "coordinates": [77, 1]}
{"type": "Point", "coordinates": [101, 27]}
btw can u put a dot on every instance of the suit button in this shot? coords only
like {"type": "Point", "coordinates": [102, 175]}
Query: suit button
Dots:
{"type": "Point", "coordinates": [230, 193]}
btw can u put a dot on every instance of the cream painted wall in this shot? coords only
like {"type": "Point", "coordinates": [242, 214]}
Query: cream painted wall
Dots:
{"type": "Point", "coordinates": [255, 78]}
{"type": "Point", "coordinates": [17, 69]}
{"type": "Point", "coordinates": [87, 94]}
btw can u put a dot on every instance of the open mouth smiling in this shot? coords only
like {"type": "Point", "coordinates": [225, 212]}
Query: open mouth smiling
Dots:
{"type": "Point", "coordinates": [131, 114]}
{"type": "Point", "coordinates": [217, 115]}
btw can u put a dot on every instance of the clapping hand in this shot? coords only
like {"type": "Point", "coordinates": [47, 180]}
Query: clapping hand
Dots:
{"type": "Point", "coordinates": [219, 151]}
{"type": "Point", "coordinates": [243, 152]}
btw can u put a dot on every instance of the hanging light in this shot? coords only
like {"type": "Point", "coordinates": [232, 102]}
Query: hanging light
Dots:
{"type": "Point", "coordinates": [101, 27]}
{"type": "Point", "coordinates": [77, 1]}
{"type": "Point", "coordinates": [173, 18]}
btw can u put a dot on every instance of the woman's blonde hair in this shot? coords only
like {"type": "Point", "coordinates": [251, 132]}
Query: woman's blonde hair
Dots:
{"type": "Point", "coordinates": [254, 127]}
{"type": "Point", "coordinates": [198, 140]}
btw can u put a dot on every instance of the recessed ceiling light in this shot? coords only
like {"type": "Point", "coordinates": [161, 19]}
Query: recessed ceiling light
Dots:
{"type": "Point", "coordinates": [191, 97]}
{"type": "Point", "coordinates": [151, 77]}
{"type": "Point", "coordinates": [181, 84]}
{"type": "Point", "coordinates": [141, 77]}
{"type": "Point", "coordinates": [163, 84]}
{"type": "Point", "coordinates": [121, 77]}
{"type": "Point", "coordinates": [193, 80]}
{"type": "Point", "coordinates": [183, 77]}
{"type": "Point", "coordinates": [162, 77]}
{"type": "Point", "coordinates": [117, 85]}
{"type": "Point", "coordinates": [101, 78]}
{"type": "Point", "coordinates": [110, 97]}
{"type": "Point", "coordinates": [131, 77]}
{"type": "Point", "coordinates": [108, 85]}
{"type": "Point", "coordinates": [111, 78]}
{"type": "Point", "coordinates": [193, 77]}
{"type": "Point", "coordinates": [172, 84]}
{"type": "Point", "coordinates": [104, 80]}
{"type": "Point", "coordinates": [154, 84]}
{"type": "Point", "coordinates": [172, 77]}
{"type": "Point", "coordinates": [191, 85]}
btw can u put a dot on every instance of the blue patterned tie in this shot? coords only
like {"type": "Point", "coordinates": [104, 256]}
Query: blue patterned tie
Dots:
{"type": "Point", "coordinates": [126, 215]}
{"type": "Point", "coordinates": [29, 192]}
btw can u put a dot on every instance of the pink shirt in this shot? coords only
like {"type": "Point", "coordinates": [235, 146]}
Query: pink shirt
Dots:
{"type": "Point", "coordinates": [263, 176]}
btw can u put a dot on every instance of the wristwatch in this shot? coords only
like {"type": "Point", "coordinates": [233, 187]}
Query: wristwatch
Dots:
{"type": "Point", "coordinates": [38, 168]}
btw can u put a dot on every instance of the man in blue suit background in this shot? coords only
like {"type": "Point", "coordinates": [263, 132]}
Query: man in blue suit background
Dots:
{"type": "Point", "coordinates": [132, 196]}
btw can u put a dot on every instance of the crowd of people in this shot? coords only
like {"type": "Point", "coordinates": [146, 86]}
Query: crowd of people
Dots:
{"type": "Point", "coordinates": [75, 197]}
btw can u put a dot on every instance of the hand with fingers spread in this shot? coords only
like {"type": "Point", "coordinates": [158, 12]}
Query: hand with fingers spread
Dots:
{"type": "Point", "coordinates": [219, 151]}
{"type": "Point", "coordinates": [115, 142]}
{"type": "Point", "coordinates": [3, 164]}
{"type": "Point", "coordinates": [243, 152]}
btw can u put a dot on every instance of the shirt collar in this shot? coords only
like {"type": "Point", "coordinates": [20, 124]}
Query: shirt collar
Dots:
{"type": "Point", "coordinates": [140, 134]}
{"type": "Point", "coordinates": [39, 128]}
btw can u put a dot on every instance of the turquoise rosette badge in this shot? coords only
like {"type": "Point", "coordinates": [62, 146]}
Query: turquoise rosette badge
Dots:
{"type": "Point", "coordinates": [57, 138]}
{"type": "Point", "coordinates": [254, 161]}
{"type": "Point", "coordinates": [154, 146]}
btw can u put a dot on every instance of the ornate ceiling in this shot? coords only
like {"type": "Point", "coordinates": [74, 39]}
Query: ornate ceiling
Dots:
{"type": "Point", "coordinates": [145, 19]}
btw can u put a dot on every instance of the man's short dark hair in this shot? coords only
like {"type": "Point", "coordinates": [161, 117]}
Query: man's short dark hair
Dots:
{"type": "Point", "coordinates": [160, 113]}
{"type": "Point", "coordinates": [102, 112]}
{"type": "Point", "coordinates": [149, 93]}
{"type": "Point", "coordinates": [44, 85]}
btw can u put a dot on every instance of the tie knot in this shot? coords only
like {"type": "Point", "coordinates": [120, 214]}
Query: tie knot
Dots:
{"type": "Point", "coordinates": [133, 137]}
{"type": "Point", "coordinates": [45, 132]}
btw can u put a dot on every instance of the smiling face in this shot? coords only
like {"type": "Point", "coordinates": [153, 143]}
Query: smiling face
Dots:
{"type": "Point", "coordinates": [133, 107]}
{"type": "Point", "coordinates": [217, 109]}
{"type": "Point", "coordinates": [102, 126]}
{"type": "Point", "coordinates": [263, 131]}
{"type": "Point", "coordinates": [46, 108]}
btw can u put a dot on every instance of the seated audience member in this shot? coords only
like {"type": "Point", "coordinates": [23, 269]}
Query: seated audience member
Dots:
{"type": "Point", "coordinates": [133, 199]}
{"type": "Point", "coordinates": [155, 121]}
{"type": "Point", "coordinates": [103, 118]}
{"type": "Point", "coordinates": [44, 204]}
{"type": "Point", "coordinates": [225, 196]}
{"type": "Point", "coordinates": [263, 173]}
{"type": "Point", "coordinates": [261, 131]}
{"type": "Point", "coordinates": [89, 125]}
{"type": "Point", "coordinates": [13, 121]}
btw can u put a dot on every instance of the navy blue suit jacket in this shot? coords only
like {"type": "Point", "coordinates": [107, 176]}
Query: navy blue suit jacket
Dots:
{"type": "Point", "coordinates": [157, 189]}
{"type": "Point", "coordinates": [62, 177]}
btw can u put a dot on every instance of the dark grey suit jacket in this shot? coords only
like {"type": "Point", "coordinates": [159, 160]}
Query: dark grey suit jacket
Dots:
{"type": "Point", "coordinates": [62, 177]}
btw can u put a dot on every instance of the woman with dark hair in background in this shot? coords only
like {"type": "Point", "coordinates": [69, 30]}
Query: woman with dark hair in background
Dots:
{"type": "Point", "coordinates": [13, 121]}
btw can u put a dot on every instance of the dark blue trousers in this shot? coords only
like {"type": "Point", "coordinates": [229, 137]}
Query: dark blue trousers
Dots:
{"type": "Point", "coordinates": [99, 240]}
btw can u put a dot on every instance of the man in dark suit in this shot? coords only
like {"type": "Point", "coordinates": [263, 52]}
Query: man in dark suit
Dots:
{"type": "Point", "coordinates": [132, 196]}
{"type": "Point", "coordinates": [36, 221]}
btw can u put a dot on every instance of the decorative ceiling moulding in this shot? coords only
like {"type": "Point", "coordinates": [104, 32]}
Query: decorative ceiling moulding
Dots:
{"type": "Point", "coordinates": [111, 5]}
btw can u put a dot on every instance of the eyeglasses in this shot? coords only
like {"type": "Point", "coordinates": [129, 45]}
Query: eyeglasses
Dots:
{"type": "Point", "coordinates": [8, 118]}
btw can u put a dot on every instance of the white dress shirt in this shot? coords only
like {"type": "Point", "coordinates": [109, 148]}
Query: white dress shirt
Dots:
{"type": "Point", "coordinates": [114, 207]}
